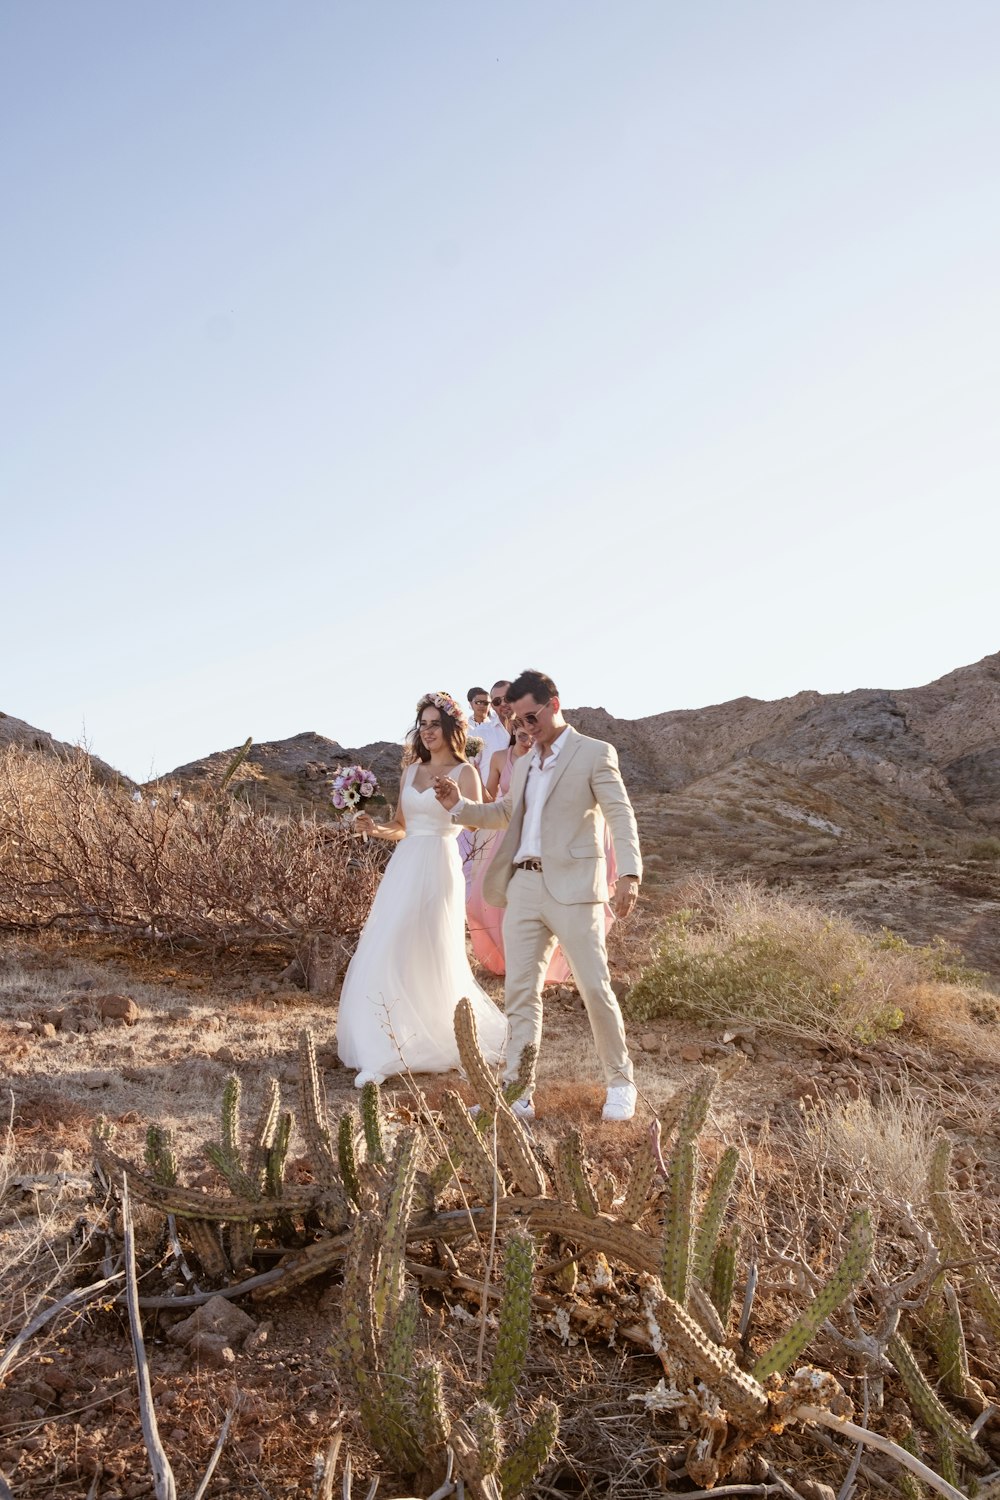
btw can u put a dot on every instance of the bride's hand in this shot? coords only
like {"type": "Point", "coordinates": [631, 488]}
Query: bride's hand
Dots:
{"type": "Point", "coordinates": [446, 791]}
{"type": "Point", "coordinates": [364, 825]}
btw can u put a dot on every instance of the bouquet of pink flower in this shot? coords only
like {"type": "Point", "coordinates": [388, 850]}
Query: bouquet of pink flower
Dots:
{"type": "Point", "coordinates": [352, 786]}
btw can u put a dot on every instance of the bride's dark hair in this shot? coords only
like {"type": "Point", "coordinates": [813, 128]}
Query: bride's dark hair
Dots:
{"type": "Point", "coordinates": [453, 727]}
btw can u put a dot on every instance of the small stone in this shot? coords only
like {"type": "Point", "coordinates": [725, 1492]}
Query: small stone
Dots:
{"type": "Point", "coordinates": [54, 1017]}
{"type": "Point", "coordinates": [258, 1338]}
{"type": "Point", "coordinates": [691, 1053]}
{"type": "Point", "coordinates": [117, 1008]}
{"type": "Point", "coordinates": [212, 1349]}
{"type": "Point", "coordinates": [650, 1041]}
{"type": "Point", "coordinates": [95, 1080]}
{"type": "Point", "coordinates": [815, 1489]}
{"type": "Point", "coordinates": [180, 1013]}
{"type": "Point", "coordinates": [23, 1027]}
{"type": "Point", "coordinates": [226, 1055]}
{"type": "Point", "coordinates": [46, 1028]}
{"type": "Point", "coordinates": [216, 1316]}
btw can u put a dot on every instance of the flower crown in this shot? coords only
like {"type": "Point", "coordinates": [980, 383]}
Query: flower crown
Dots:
{"type": "Point", "coordinates": [446, 703]}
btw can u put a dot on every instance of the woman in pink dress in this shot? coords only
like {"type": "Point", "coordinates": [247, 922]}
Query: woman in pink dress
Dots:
{"type": "Point", "coordinates": [485, 921]}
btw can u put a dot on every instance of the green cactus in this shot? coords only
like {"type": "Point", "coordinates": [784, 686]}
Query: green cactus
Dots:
{"type": "Point", "coordinates": [926, 1406]}
{"type": "Point", "coordinates": [432, 1420]}
{"type": "Point", "coordinates": [399, 1197]}
{"type": "Point", "coordinates": [514, 1321]}
{"type": "Point", "coordinates": [639, 1185]}
{"type": "Point", "coordinates": [955, 1243]}
{"type": "Point", "coordinates": [909, 1483]}
{"type": "Point", "coordinates": [724, 1273]}
{"type": "Point", "coordinates": [371, 1123]}
{"type": "Point", "coordinates": [522, 1084]}
{"type": "Point", "coordinates": [694, 1110]}
{"type": "Point", "coordinates": [520, 1468]}
{"type": "Point", "coordinates": [949, 1342]}
{"type": "Point", "coordinates": [710, 1222]}
{"type": "Point", "coordinates": [484, 1422]}
{"type": "Point", "coordinates": [947, 1466]}
{"type": "Point", "coordinates": [467, 1150]}
{"type": "Point", "coordinates": [346, 1158]}
{"type": "Point", "coordinates": [849, 1273]}
{"type": "Point", "coordinates": [274, 1174]}
{"type": "Point", "coordinates": [572, 1172]}
{"type": "Point", "coordinates": [231, 1092]}
{"type": "Point", "coordinates": [741, 1394]}
{"type": "Point", "coordinates": [160, 1156]}
{"type": "Point", "coordinates": [263, 1135]}
{"type": "Point", "coordinates": [314, 1119]}
{"type": "Point", "coordinates": [676, 1262]}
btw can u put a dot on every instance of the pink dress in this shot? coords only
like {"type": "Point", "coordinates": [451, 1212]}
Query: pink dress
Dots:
{"type": "Point", "coordinates": [485, 921]}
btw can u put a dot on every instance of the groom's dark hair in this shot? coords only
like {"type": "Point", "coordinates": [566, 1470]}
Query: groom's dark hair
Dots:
{"type": "Point", "coordinates": [476, 693]}
{"type": "Point", "coordinates": [540, 687]}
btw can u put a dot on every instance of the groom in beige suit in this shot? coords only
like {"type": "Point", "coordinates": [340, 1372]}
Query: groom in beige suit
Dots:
{"type": "Point", "coordinates": [551, 875]}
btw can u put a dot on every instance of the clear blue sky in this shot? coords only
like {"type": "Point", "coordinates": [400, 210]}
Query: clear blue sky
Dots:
{"type": "Point", "coordinates": [350, 350]}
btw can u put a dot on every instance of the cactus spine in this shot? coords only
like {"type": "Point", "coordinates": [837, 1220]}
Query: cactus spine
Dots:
{"type": "Point", "coordinates": [519, 1469]}
{"type": "Point", "coordinates": [274, 1174]}
{"type": "Point", "coordinates": [314, 1121]}
{"type": "Point", "coordinates": [849, 1273]}
{"type": "Point", "coordinates": [514, 1322]}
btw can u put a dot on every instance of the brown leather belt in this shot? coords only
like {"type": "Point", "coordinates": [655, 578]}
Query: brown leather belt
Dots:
{"type": "Point", "coordinates": [530, 864]}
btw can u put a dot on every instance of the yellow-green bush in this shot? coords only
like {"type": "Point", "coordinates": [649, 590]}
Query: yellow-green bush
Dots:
{"type": "Point", "coordinates": [742, 952]}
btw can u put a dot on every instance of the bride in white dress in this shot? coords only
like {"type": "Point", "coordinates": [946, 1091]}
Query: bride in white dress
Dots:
{"type": "Point", "coordinates": [411, 969]}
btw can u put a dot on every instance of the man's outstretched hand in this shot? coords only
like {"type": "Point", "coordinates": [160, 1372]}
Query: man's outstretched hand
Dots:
{"type": "Point", "coordinates": [446, 791]}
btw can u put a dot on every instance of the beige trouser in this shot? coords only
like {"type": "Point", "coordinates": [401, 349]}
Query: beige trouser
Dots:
{"type": "Point", "coordinates": [533, 922]}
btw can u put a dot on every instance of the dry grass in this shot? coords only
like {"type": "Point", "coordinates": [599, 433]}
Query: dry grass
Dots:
{"type": "Point", "coordinates": [882, 1143]}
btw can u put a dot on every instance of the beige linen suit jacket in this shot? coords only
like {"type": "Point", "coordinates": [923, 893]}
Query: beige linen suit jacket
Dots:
{"type": "Point", "coordinates": [586, 790]}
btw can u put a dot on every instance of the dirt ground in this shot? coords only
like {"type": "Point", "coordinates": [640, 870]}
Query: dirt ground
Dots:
{"type": "Point", "coordinates": [69, 1422]}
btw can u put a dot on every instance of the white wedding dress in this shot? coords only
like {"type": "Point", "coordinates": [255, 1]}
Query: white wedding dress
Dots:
{"type": "Point", "coordinates": [411, 969]}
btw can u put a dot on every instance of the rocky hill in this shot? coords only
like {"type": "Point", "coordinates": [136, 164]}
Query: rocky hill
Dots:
{"type": "Point", "coordinates": [27, 737]}
{"type": "Point", "coordinates": [287, 775]}
{"type": "Point", "coordinates": [876, 800]}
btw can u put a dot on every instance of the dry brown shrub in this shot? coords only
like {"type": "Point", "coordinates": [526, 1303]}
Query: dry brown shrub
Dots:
{"type": "Point", "coordinates": [956, 1017]}
{"type": "Point", "coordinates": [84, 856]}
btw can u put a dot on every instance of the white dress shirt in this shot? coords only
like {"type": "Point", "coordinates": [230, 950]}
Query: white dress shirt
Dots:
{"type": "Point", "coordinates": [494, 736]}
{"type": "Point", "coordinates": [536, 790]}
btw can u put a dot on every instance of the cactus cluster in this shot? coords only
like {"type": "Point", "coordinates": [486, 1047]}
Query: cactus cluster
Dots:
{"type": "Point", "coordinates": [404, 1401]}
{"type": "Point", "coordinates": [378, 1187]}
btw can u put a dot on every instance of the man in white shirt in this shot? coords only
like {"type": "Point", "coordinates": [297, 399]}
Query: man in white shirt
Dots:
{"type": "Point", "coordinates": [551, 875]}
{"type": "Point", "coordinates": [488, 725]}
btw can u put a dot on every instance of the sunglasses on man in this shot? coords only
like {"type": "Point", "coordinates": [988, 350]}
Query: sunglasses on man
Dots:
{"type": "Point", "coordinates": [531, 720]}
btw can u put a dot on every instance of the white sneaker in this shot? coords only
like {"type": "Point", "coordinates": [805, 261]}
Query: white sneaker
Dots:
{"type": "Point", "coordinates": [523, 1108]}
{"type": "Point", "coordinates": [620, 1103]}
